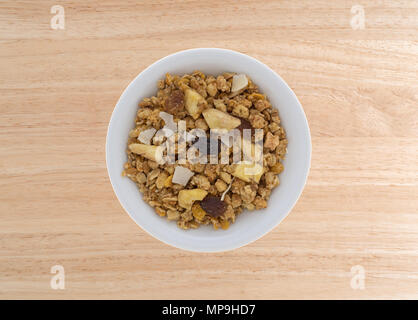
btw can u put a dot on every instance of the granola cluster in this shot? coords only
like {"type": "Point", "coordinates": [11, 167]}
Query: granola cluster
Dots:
{"type": "Point", "coordinates": [195, 194]}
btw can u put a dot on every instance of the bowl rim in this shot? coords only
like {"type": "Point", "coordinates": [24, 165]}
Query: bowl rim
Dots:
{"type": "Point", "coordinates": [308, 153]}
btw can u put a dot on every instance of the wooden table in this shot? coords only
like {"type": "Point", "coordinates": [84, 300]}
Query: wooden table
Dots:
{"type": "Point", "coordinates": [359, 89]}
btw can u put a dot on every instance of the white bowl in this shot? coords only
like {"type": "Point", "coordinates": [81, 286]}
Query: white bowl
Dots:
{"type": "Point", "coordinates": [250, 225]}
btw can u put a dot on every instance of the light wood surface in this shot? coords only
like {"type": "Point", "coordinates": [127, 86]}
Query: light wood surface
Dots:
{"type": "Point", "coordinates": [359, 89]}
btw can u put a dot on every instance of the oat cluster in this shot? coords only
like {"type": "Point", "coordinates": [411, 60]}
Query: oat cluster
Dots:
{"type": "Point", "coordinates": [196, 194]}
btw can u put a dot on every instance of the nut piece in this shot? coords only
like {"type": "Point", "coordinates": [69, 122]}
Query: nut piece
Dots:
{"type": "Point", "coordinates": [187, 197]}
{"type": "Point", "coordinates": [154, 153]}
{"type": "Point", "coordinates": [194, 103]}
{"type": "Point", "coordinates": [217, 119]}
{"type": "Point", "coordinates": [248, 171]}
{"type": "Point", "coordinates": [239, 81]}
{"type": "Point", "coordinates": [213, 206]}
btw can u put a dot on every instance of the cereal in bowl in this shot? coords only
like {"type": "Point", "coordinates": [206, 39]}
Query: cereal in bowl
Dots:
{"type": "Point", "coordinates": [205, 148]}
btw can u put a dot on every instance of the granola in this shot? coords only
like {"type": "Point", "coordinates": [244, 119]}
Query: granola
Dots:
{"type": "Point", "coordinates": [204, 193]}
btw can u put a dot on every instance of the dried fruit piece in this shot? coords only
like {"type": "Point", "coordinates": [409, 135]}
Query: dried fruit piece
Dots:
{"type": "Point", "coordinates": [154, 153]}
{"type": "Point", "coordinates": [239, 81]}
{"type": "Point", "coordinates": [224, 224]}
{"type": "Point", "coordinates": [217, 119]}
{"type": "Point", "coordinates": [213, 206]}
{"type": "Point", "coordinates": [256, 96]}
{"type": "Point", "coordinates": [198, 212]}
{"type": "Point", "coordinates": [194, 103]}
{"type": "Point", "coordinates": [168, 182]}
{"type": "Point", "coordinates": [187, 197]}
{"type": "Point", "coordinates": [248, 171]}
{"type": "Point", "coordinates": [160, 211]}
{"type": "Point", "coordinates": [182, 175]}
{"type": "Point", "coordinates": [245, 124]}
{"type": "Point", "coordinates": [175, 102]}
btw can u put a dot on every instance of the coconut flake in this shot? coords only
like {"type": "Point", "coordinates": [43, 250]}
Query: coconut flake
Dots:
{"type": "Point", "coordinates": [146, 135]}
{"type": "Point", "coordinates": [182, 175]}
{"type": "Point", "coordinates": [239, 81]}
{"type": "Point", "coordinates": [227, 189]}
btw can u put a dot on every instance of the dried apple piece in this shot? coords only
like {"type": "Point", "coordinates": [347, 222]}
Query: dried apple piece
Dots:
{"type": "Point", "coordinates": [217, 119]}
{"type": "Point", "coordinates": [194, 103]}
{"type": "Point", "coordinates": [154, 153]}
{"type": "Point", "coordinates": [239, 81]}
{"type": "Point", "coordinates": [248, 171]}
{"type": "Point", "coordinates": [146, 135]}
{"type": "Point", "coordinates": [187, 197]}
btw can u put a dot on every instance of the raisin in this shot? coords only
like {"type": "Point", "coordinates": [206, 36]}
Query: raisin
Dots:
{"type": "Point", "coordinates": [213, 206]}
{"type": "Point", "coordinates": [175, 102]}
{"type": "Point", "coordinates": [245, 124]}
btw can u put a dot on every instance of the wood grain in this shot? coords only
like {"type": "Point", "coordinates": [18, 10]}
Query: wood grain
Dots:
{"type": "Point", "coordinates": [359, 89]}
